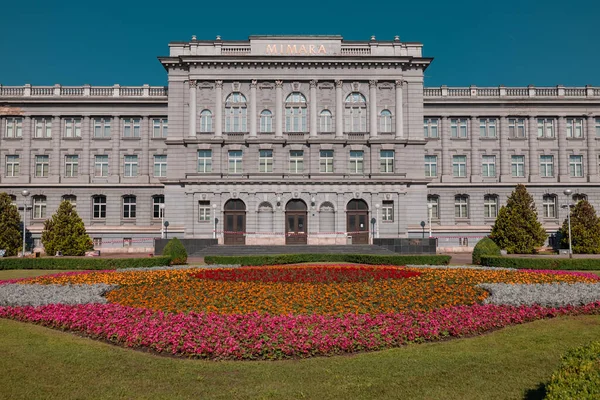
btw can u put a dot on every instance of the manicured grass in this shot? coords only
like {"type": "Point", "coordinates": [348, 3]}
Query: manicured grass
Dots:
{"type": "Point", "coordinates": [27, 273]}
{"type": "Point", "coordinates": [511, 363]}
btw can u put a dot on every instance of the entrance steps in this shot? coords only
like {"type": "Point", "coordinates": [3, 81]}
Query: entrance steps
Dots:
{"type": "Point", "coordinates": [223, 250]}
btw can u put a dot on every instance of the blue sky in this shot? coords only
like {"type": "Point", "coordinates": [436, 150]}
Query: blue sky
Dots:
{"type": "Point", "coordinates": [511, 42]}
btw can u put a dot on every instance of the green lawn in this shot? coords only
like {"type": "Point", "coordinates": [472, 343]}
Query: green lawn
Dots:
{"type": "Point", "coordinates": [511, 363]}
{"type": "Point", "coordinates": [27, 273]}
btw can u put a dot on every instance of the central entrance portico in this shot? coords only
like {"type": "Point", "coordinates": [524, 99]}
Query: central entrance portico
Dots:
{"type": "Point", "coordinates": [296, 214]}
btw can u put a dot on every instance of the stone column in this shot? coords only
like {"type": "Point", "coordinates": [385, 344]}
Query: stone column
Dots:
{"type": "Point", "coordinates": [373, 108]}
{"type": "Point", "coordinates": [339, 109]}
{"type": "Point", "coordinates": [534, 164]}
{"type": "Point", "coordinates": [86, 134]}
{"type": "Point", "coordinates": [591, 147]}
{"type": "Point", "coordinates": [253, 107]}
{"type": "Point", "coordinates": [313, 108]}
{"type": "Point", "coordinates": [115, 162]}
{"type": "Point", "coordinates": [192, 108]}
{"type": "Point", "coordinates": [218, 108]}
{"type": "Point", "coordinates": [57, 163]}
{"type": "Point", "coordinates": [146, 167]}
{"type": "Point", "coordinates": [504, 149]}
{"type": "Point", "coordinates": [278, 108]}
{"type": "Point", "coordinates": [26, 159]}
{"type": "Point", "coordinates": [475, 160]}
{"type": "Point", "coordinates": [399, 110]}
{"type": "Point", "coordinates": [445, 163]}
{"type": "Point", "coordinates": [563, 165]}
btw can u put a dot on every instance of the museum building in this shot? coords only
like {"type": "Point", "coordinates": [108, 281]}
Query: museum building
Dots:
{"type": "Point", "coordinates": [295, 140]}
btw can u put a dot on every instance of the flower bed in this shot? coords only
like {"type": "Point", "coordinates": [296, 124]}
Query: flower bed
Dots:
{"type": "Point", "coordinates": [296, 311]}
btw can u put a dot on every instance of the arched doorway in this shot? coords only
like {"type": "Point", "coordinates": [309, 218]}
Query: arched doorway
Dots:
{"type": "Point", "coordinates": [235, 222]}
{"type": "Point", "coordinates": [296, 214]}
{"type": "Point", "coordinates": [357, 221]}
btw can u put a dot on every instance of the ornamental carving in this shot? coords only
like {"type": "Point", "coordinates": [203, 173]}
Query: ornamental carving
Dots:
{"type": "Point", "coordinates": [253, 84]}
{"type": "Point", "coordinates": [339, 84]}
{"type": "Point", "coordinates": [193, 83]}
{"type": "Point", "coordinates": [219, 84]}
{"type": "Point", "coordinates": [399, 84]}
{"type": "Point", "coordinates": [279, 84]}
{"type": "Point", "coordinates": [313, 83]}
{"type": "Point", "coordinates": [372, 83]}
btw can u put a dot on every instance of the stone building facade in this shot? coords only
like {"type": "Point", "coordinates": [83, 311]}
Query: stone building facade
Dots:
{"type": "Point", "coordinates": [295, 139]}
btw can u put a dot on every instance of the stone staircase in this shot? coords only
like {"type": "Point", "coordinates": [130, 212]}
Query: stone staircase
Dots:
{"type": "Point", "coordinates": [223, 250]}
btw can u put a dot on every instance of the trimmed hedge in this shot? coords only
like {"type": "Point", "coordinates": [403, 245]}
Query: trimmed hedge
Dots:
{"type": "Point", "coordinates": [485, 247]}
{"type": "Point", "coordinates": [84, 263]}
{"type": "Point", "coordinates": [575, 264]}
{"type": "Point", "coordinates": [352, 258]}
{"type": "Point", "coordinates": [578, 376]}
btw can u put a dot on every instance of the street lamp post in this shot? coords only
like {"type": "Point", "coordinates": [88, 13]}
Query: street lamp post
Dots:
{"type": "Point", "coordinates": [214, 207]}
{"type": "Point", "coordinates": [377, 226]}
{"type": "Point", "coordinates": [567, 193]}
{"type": "Point", "coordinates": [162, 220]}
{"type": "Point", "coordinates": [25, 194]}
{"type": "Point", "coordinates": [430, 209]}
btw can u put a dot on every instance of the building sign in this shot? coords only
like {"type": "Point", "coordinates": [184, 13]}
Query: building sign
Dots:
{"type": "Point", "coordinates": [309, 46]}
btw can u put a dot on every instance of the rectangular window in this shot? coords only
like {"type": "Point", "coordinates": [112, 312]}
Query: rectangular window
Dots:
{"type": "Point", "coordinates": [387, 211]}
{"type": "Point", "coordinates": [71, 166]}
{"type": "Point", "coordinates": [546, 166]}
{"type": "Point", "coordinates": [326, 161]}
{"type": "Point", "coordinates": [296, 161]}
{"type": "Point", "coordinates": [97, 242]}
{"type": "Point", "coordinates": [576, 166]}
{"type": "Point", "coordinates": [131, 127]}
{"type": "Point", "coordinates": [545, 127]}
{"type": "Point", "coordinates": [14, 128]}
{"type": "Point", "coordinates": [458, 127]}
{"type": "Point", "coordinates": [101, 166]}
{"type": "Point", "coordinates": [42, 127]}
{"type": "Point", "coordinates": [459, 166]}
{"type": "Point", "coordinates": [127, 242]}
{"type": "Point", "coordinates": [516, 128]}
{"type": "Point", "coordinates": [549, 206]}
{"type": "Point", "coordinates": [204, 211]}
{"type": "Point", "coordinates": [598, 127]}
{"type": "Point", "coordinates": [461, 207]}
{"type": "Point", "coordinates": [204, 161]}
{"type": "Point", "coordinates": [356, 161]}
{"type": "Point", "coordinates": [72, 127]}
{"type": "Point", "coordinates": [265, 161]}
{"type": "Point", "coordinates": [160, 165]}
{"type": "Point", "coordinates": [488, 166]}
{"type": "Point", "coordinates": [235, 161]}
{"type": "Point", "coordinates": [430, 126]}
{"type": "Point", "coordinates": [157, 210]}
{"type": "Point", "coordinates": [517, 166]}
{"type": "Point", "coordinates": [129, 207]}
{"type": "Point", "coordinates": [433, 205]}
{"type": "Point", "coordinates": [99, 207]}
{"type": "Point", "coordinates": [41, 166]}
{"type": "Point", "coordinates": [430, 166]}
{"type": "Point", "coordinates": [101, 127]}
{"type": "Point", "coordinates": [487, 127]}
{"type": "Point", "coordinates": [574, 128]}
{"type": "Point", "coordinates": [131, 166]}
{"type": "Point", "coordinates": [39, 207]}
{"type": "Point", "coordinates": [490, 206]}
{"type": "Point", "coordinates": [12, 165]}
{"type": "Point", "coordinates": [160, 127]}
{"type": "Point", "coordinates": [386, 159]}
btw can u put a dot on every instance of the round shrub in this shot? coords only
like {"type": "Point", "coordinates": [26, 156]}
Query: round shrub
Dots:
{"type": "Point", "coordinates": [485, 247]}
{"type": "Point", "coordinates": [578, 376]}
{"type": "Point", "coordinates": [176, 251]}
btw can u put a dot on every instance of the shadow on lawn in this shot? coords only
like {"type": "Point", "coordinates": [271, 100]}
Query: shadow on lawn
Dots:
{"type": "Point", "coordinates": [537, 393]}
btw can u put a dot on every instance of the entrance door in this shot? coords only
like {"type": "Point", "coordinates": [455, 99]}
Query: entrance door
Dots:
{"type": "Point", "coordinates": [357, 221]}
{"type": "Point", "coordinates": [296, 222]}
{"type": "Point", "coordinates": [235, 223]}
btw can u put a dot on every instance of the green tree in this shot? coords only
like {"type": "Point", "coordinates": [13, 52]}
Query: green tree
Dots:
{"type": "Point", "coordinates": [517, 228]}
{"type": "Point", "coordinates": [485, 247]}
{"type": "Point", "coordinates": [65, 232]}
{"type": "Point", "coordinates": [176, 251]}
{"type": "Point", "coordinates": [10, 226]}
{"type": "Point", "coordinates": [585, 229]}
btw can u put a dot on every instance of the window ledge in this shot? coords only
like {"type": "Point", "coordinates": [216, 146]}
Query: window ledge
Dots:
{"type": "Point", "coordinates": [459, 138]}
{"type": "Point", "coordinates": [100, 138]}
{"type": "Point", "coordinates": [546, 138]}
{"type": "Point", "coordinates": [432, 138]}
{"type": "Point", "coordinates": [131, 138]}
{"type": "Point", "coordinates": [517, 138]}
{"type": "Point", "coordinates": [158, 138]}
{"type": "Point", "coordinates": [488, 138]}
{"type": "Point", "coordinates": [580, 139]}
{"type": "Point", "coordinates": [21, 138]}
{"type": "Point", "coordinates": [71, 138]}
{"type": "Point", "coordinates": [41, 138]}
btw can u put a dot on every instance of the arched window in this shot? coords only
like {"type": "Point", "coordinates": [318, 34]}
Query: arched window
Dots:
{"type": "Point", "coordinates": [295, 113]}
{"type": "Point", "coordinates": [325, 121]}
{"type": "Point", "coordinates": [206, 123]}
{"type": "Point", "coordinates": [355, 115]}
{"type": "Point", "coordinates": [385, 121]}
{"type": "Point", "coordinates": [99, 207]}
{"type": "Point", "coordinates": [265, 217]}
{"type": "Point", "coordinates": [434, 201]}
{"type": "Point", "coordinates": [71, 198]}
{"type": "Point", "coordinates": [39, 207]}
{"type": "Point", "coordinates": [577, 197]}
{"type": "Point", "coordinates": [490, 206]}
{"type": "Point", "coordinates": [266, 121]}
{"type": "Point", "coordinates": [326, 218]}
{"type": "Point", "coordinates": [461, 206]}
{"type": "Point", "coordinates": [235, 113]}
{"type": "Point", "coordinates": [549, 205]}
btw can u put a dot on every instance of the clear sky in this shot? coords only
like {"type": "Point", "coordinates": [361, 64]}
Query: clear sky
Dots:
{"type": "Point", "coordinates": [485, 43]}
